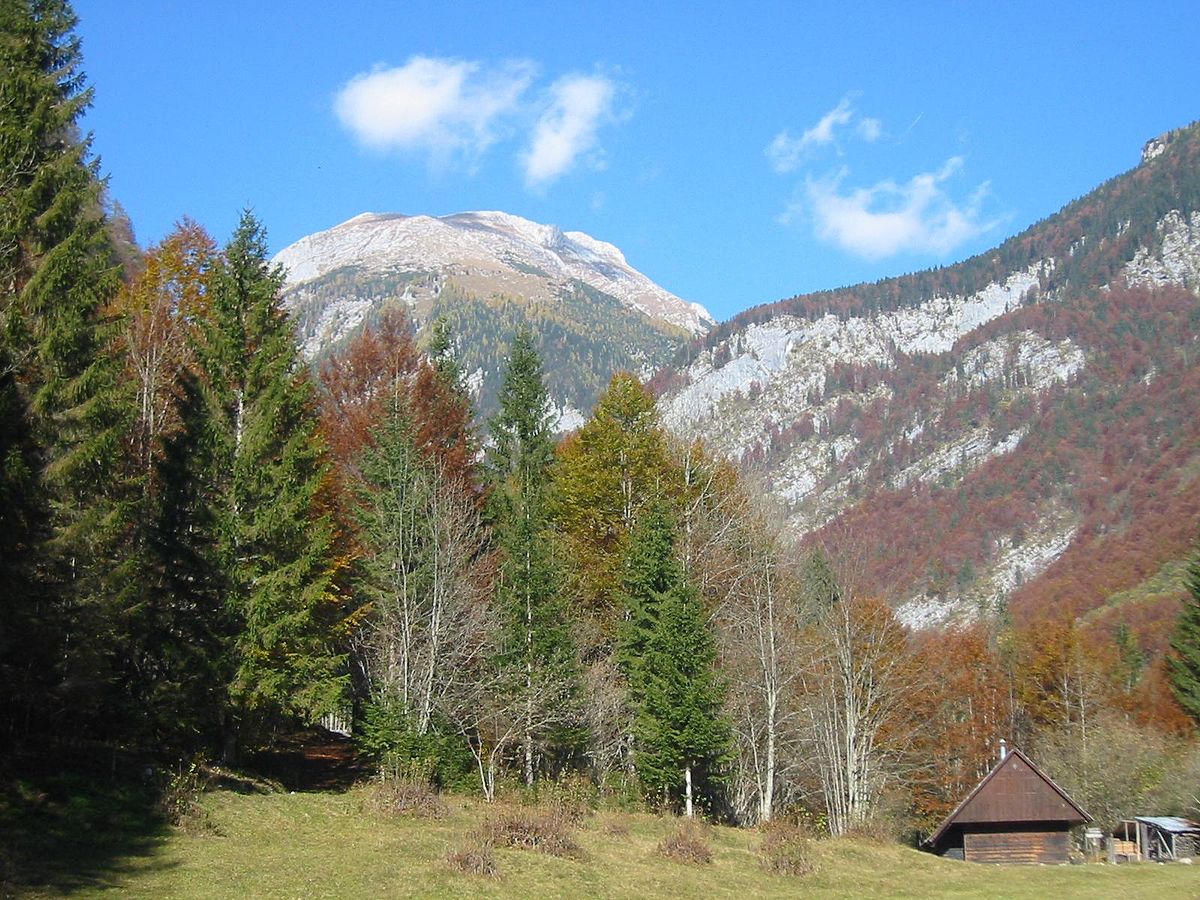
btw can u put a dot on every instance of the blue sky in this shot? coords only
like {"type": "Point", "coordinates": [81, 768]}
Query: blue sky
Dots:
{"type": "Point", "coordinates": [737, 153]}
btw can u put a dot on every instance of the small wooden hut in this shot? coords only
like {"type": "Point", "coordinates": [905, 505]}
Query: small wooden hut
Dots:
{"type": "Point", "coordinates": [1016, 814]}
{"type": "Point", "coordinates": [1159, 838]}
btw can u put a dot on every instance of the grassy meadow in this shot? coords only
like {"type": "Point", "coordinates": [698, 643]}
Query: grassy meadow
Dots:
{"type": "Point", "coordinates": [288, 845]}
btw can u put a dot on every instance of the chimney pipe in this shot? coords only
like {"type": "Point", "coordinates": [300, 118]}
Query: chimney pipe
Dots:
{"type": "Point", "coordinates": [1003, 749]}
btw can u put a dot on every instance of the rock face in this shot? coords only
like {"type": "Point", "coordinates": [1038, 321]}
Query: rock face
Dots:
{"type": "Point", "coordinates": [928, 393]}
{"type": "Point", "coordinates": [488, 252]}
{"type": "Point", "coordinates": [488, 273]}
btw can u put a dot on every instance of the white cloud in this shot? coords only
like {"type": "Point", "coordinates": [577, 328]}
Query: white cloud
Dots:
{"type": "Point", "coordinates": [785, 152]}
{"type": "Point", "coordinates": [567, 128]}
{"type": "Point", "coordinates": [451, 109]}
{"type": "Point", "coordinates": [870, 130]}
{"type": "Point", "coordinates": [889, 218]}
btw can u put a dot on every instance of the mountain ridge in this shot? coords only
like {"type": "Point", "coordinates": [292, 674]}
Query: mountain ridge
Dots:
{"type": "Point", "coordinates": [925, 391]}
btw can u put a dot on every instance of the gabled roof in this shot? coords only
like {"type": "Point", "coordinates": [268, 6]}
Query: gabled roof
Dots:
{"type": "Point", "coordinates": [1014, 791]}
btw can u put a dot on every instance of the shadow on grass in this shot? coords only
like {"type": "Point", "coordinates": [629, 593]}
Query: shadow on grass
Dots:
{"type": "Point", "coordinates": [312, 761]}
{"type": "Point", "coordinates": [63, 828]}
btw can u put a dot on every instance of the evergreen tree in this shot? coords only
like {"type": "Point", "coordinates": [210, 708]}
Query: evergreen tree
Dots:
{"type": "Point", "coordinates": [64, 401]}
{"type": "Point", "coordinates": [187, 637]}
{"type": "Point", "coordinates": [650, 571]}
{"type": "Point", "coordinates": [267, 529]}
{"type": "Point", "coordinates": [25, 647]}
{"type": "Point", "coordinates": [1184, 663]}
{"type": "Point", "coordinates": [537, 642]}
{"type": "Point", "coordinates": [682, 738]}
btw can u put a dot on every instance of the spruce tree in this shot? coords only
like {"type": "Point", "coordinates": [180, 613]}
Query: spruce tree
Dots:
{"type": "Point", "coordinates": [650, 570]}
{"type": "Point", "coordinates": [538, 649]}
{"type": "Point", "coordinates": [56, 274]}
{"type": "Point", "coordinates": [682, 739]}
{"type": "Point", "coordinates": [1184, 662]}
{"type": "Point", "coordinates": [271, 534]}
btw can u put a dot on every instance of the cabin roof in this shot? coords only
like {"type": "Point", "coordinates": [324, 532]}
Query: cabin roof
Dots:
{"type": "Point", "coordinates": [1171, 824]}
{"type": "Point", "coordinates": [1014, 791]}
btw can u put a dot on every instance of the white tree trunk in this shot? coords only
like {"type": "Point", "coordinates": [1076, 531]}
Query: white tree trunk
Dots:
{"type": "Point", "coordinates": [687, 778]}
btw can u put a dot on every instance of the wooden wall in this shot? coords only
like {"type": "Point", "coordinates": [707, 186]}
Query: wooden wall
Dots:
{"type": "Point", "coordinates": [1016, 846]}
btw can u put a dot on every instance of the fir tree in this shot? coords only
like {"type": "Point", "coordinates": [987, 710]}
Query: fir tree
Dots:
{"type": "Point", "coordinates": [668, 651]}
{"type": "Point", "coordinates": [650, 571]}
{"type": "Point", "coordinates": [25, 647]}
{"type": "Point", "coordinates": [537, 644]}
{"type": "Point", "coordinates": [187, 638]}
{"type": "Point", "coordinates": [56, 274]}
{"type": "Point", "coordinates": [271, 534]}
{"type": "Point", "coordinates": [1184, 663]}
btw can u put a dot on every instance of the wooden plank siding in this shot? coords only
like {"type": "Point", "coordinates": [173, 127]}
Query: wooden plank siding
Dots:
{"type": "Point", "coordinates": [1016, 846]}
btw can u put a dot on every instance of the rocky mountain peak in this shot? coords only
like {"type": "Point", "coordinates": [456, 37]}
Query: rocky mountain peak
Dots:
{"type": "Point", "coordinates": [495, 252]}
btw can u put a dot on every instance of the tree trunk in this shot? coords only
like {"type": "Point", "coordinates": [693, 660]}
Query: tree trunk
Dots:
{"type": "Point", "coordinates": [687, 778]}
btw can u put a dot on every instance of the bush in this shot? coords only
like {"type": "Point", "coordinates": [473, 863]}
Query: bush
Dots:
{"type": "Point", "coordinates": [179, 798]}
{"type": "Point", "coordinates": [570, 797]}
{"type": "Point", "coordinates": [543, 830]}
{"type": "Point", "coordinates": [387, 734]}
{"type": "Point", "coordinates": [405, 796]}
{"type": "Point", "coordinates": [687, 844]}
{"type": "Point", "coordinates": [785, 849]}
{"type": "Point", "coordinates": [476, 857]}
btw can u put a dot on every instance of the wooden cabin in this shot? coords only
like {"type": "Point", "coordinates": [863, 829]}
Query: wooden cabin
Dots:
{"type": "Point", "coordinates": [1016, 814]}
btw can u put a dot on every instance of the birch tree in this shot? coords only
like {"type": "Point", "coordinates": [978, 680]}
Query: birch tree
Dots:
{"type": "Point", "coordinates": [853, 690]}
{"type": "Point", "coordinates": [421, 576]}
{"type": "Point", "coordinates": [760, 625]}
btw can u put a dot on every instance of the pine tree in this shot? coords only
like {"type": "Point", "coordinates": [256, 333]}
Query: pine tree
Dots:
{"type": "Point", "coordinates": [269, 531]}
{"type": "Point", "coordinates": [56, 274]}
{"type": "Point", "coordinates": [682, 737]}
{"type": "Point", "coordinates": [537, 644]}
{"type": "Point", "coordinates": [1184, 663]}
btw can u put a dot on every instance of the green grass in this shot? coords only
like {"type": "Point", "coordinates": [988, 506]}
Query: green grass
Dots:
{"type": "Point", "coordinates": [328, 845]}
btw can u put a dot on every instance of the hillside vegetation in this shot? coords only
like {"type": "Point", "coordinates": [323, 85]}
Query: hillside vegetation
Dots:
{"type": "Point", "coordinates": [1008, 435]}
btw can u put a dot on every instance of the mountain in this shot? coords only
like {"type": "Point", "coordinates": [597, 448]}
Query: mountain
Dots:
{"type": "Point", "coordinates": [1015, 434]}
{"type": "Point", "coordinates": [488, 273]}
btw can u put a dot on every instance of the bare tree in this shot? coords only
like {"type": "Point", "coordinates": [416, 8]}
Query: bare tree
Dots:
{"type": "Point", "coordinates": [854, 688]}
{"type": "Point", "coordinates": [759, 625]}
{"type": "Point", "coordinates": [491, 709]}
{"type": "Point", "coordinates": [424, 568]}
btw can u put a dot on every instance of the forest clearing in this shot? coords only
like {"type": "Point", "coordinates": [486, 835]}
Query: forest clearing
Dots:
{"type": "Point", "coordinates": [334, 845]}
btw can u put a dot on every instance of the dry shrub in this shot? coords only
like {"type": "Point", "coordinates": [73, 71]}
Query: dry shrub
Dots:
{"type": "Point", "coordinates": [785, 849]}
{"type": "Point", "coordinates": [476, 857]}
{"type": "Point", "coordinates": [687, 844]}
{"type": "Point", "coordinates": [405, 797]}
{"type": "Point", "coordinates": [531, 829]}
{"type": "Point", "coordinates": [570, 796]}
{"type": "Point", "coordinates": [615, 827]}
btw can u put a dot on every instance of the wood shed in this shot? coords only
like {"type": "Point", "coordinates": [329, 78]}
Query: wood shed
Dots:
{"type": "Point", "coordinates": [1159, 838]}
{"type": "Point", "coordinates": [1016, 814]}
